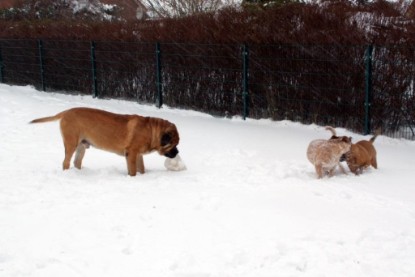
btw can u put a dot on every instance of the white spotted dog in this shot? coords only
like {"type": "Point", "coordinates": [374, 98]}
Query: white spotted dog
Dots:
{"type": "Point", "coordinates": [325, 155]}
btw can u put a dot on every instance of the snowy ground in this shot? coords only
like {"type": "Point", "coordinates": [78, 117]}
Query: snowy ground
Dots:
{"type": "Point", "coordinates": [249, 204]}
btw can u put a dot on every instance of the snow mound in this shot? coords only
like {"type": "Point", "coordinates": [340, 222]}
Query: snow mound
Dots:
{"type": "Point", "coordinates": [175, 164]}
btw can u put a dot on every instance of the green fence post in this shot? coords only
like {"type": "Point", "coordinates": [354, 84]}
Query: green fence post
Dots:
{"type": "Point", "coordinates": [42, 70]}
{"type": "Point", "coordinates": [1, 67]}
{"type": "Point", "coordinates": [245, 76]}
{"type": "Point", "coordinates": [158, 76]}
{"type": "Point", "coordinates": [368, 88]}
{"type": "Point", "coordinates": [94, 71]}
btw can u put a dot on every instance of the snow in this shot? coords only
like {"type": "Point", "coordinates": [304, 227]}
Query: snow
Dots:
{"type": "Point", "coordinates": [94, 7]}
{"type": "Point", "coordinates": [248, 205]}
{"type": "Point", "coordinates": [175, 164]}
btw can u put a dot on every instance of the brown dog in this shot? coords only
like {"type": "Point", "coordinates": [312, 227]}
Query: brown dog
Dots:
{"type": "Point", "coordinates": [362, 155]}
{"type": "Point", "coordinates": [325, 154]}
{"type": "Point", "coordinates": [131, 136]}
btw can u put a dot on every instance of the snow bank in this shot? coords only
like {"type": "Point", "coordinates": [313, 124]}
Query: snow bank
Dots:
{"type": "Point", "coordinates": [249, 203]}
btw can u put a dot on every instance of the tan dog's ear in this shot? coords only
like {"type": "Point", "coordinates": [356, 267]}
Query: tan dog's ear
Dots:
{"type": "Point", "coordinates": [165, 139]}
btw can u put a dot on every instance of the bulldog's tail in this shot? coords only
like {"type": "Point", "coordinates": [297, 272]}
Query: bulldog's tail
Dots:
{"type": "Point", "coordinates": [47, 119]}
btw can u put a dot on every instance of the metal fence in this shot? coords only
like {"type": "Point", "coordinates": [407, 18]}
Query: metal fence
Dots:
{"type": "Point", "coordinates": [360, 88]}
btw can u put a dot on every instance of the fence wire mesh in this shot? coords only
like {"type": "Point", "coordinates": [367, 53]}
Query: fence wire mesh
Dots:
{"type": "Point", "coordinates": [342, 86]}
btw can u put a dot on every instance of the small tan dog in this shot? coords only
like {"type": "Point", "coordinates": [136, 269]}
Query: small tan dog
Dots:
{"type": "Point", "coordinates": [131, 136]}
{"type": "Point", "coordinates": [362, 155]}
{"type": "Point", "coordinates": [325, 154]}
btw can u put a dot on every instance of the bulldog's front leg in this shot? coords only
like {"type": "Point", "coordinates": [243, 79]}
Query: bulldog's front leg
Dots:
{"type": "Point", "coordinates": [140, 163]}
{"type": "Point", "coordinates": [131, 158]}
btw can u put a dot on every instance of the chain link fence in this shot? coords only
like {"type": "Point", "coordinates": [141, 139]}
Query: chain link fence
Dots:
{"type": "Point", "coordinates": [361, 88]}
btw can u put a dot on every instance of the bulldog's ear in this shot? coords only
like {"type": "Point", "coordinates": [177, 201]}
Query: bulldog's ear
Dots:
{"type": "Point", "coordinates": [165, 139]}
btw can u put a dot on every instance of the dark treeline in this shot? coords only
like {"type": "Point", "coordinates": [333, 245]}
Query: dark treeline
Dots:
{"type": "Point", "coordinates": [334, 21]}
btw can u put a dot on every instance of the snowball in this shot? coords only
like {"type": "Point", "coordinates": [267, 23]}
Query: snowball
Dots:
{"type": "Point", "coordinates": [175, 164]}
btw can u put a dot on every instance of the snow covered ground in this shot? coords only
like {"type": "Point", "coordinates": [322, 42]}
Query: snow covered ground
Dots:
{"type": "Point", "coordinates": [248, 205]}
